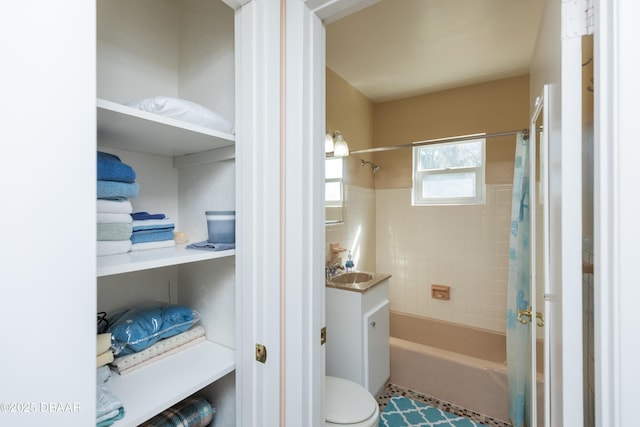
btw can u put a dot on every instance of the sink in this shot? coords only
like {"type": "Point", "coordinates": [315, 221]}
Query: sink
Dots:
{"type": "Point", "coordinates": [356, 281]}
{"type": "Point", "coordinates": [355, 277]}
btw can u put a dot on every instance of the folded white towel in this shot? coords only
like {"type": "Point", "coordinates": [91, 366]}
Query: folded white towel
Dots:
{"type": "Point", "coordinates": [104, 358]}
{"type": "Point", "coordinates": [153, 245]}
{"type": "Point", "coordinates": [114, 206]}
{"type": "Point", "coordinates": [109, 218]}
{"type": "Point", "coordinates": [113, 247]}
{"type": "Point", "coordinates": [103, 343]}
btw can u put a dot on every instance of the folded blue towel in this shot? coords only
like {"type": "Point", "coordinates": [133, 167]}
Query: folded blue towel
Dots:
{"type": "Point", "coordinates": [114, 190]}
{"type": "Point", "coordinates": [153, 224]}
{"type": "Point", "coordinates": [211, 246]}
{"type": "Point", "coordinates": [153, 236]}
{"type": "Point", "coordinates": [139, 216]}
{"type": "Point", "coordinates": [154, 231]}
{"type": "Point", "coordinates": [151, 231]}
{"type": "Point", "coordinates": [111, 168]}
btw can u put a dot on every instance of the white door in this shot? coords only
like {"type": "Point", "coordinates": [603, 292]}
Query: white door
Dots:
{"type": "Point", "coordinates": [280, 111]}
{"type": "Point", "coordinates": [563, 296]}
{"type": "Point", "coordinates": [557, 64]}
{"type": "Point", "coordinates": [539, 283]}
{"type": "Point", "coordinates": [616, 207]}
{"type": "Point", "coordinates": [48, 118]}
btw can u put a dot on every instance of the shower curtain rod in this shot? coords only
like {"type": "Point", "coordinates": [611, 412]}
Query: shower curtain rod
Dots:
{"type": "Point", "coordinates": [443, 140]}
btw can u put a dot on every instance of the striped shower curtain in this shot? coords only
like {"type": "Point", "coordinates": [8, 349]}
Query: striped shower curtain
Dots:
{"type": "Point", "coordinates": [518, 335]}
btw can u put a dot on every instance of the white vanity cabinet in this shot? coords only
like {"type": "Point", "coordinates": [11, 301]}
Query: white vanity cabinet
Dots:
{"type": "Point", "coordinates": [181, 49]}
{"type": "Point", "coordinates": [358, 335]}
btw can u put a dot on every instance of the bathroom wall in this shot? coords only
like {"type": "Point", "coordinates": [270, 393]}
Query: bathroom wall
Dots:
{"type": "Point", "coordinates": [351, 113]}
{"type": "Point", "coordinates": [464, 247]}
{"type": "Point", "coordinates": [358, 230]}
{"type": "Point", "coordinates": [496, 106]}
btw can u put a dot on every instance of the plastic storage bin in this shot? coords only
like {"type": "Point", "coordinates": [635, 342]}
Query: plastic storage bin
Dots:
{"type": "Point", "coordinates": [221, 226]}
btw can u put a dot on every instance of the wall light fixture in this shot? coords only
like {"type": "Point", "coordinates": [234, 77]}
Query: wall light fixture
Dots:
{"type": "Point", "coordinates": [335, 142]}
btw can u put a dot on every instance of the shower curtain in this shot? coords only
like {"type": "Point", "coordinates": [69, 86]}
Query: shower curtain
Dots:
{"type": "Point", "coordinates": [518, 335]}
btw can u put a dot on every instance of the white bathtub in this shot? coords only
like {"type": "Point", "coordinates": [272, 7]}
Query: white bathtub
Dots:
{"type": "Point", "coordinates": [462, 365]}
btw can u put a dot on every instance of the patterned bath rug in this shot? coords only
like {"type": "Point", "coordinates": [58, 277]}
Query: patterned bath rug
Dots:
{"type": "Point", "coordinates": [404, 412]}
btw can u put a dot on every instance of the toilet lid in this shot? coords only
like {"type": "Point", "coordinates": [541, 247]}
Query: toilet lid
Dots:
{"type": "Point", "coordinates": [347, 402]}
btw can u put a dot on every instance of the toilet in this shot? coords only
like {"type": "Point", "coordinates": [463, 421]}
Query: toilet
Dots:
{"type": "Point", "coordinates": [348, 404]}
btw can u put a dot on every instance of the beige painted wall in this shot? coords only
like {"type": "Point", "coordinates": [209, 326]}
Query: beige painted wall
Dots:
{"type": "Point", "coordinates": [419, 246]}
{"type": "Point", "coordinates": [497, 106]}
{"type": "Point", "coordinates": [351, 113]}
{"type": "Point", "coordinates": [464, 247]}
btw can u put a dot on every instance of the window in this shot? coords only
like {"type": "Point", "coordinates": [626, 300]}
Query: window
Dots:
{"type": "Point", "coordinates": [333, 191]}
{"type": "Point", "coordinates": [449, 174]}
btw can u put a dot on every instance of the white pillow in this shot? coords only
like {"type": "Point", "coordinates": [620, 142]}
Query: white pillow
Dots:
{"type": "Point", "coordinates": [182, 109]}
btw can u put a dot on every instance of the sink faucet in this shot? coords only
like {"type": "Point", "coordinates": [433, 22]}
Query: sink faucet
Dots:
{"type": "Point", "coordinates": [332, 269]}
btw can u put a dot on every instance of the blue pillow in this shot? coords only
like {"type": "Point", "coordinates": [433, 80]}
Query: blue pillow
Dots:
{"type": "Point", "coordinates": [135, 329]}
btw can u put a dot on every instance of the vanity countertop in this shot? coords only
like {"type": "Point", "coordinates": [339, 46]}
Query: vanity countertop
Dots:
{"type": "Point", "coordinates": [335, 281]}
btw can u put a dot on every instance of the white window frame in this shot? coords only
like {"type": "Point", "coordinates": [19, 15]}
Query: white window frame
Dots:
{"type": "Point", "coordinates": [416, 192]}
{"type": "Point", "coordinates": [335, 203]}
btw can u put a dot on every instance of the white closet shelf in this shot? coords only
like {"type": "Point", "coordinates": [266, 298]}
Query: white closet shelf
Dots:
{"type": "Point", "coordinates": [152, 389]}
{"type": "Point", "coordinates": [128, 128]}
{"type": "Point", "coordinates": [154, 258]}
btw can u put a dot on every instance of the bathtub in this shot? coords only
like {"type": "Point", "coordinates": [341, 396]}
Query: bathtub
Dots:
{"type": "Point", "coordinates": [459, 364]}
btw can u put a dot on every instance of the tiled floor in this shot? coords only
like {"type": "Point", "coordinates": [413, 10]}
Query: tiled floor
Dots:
{"type": "Point", "coordinates": [391, 390]}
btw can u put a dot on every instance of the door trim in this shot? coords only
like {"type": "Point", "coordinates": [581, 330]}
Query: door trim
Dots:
{"type": "Point", "coordinates": [616, 205]}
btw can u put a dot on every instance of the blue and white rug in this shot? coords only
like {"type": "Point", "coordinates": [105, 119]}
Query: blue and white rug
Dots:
{"type": "Point", "coordinates": [404, 412]}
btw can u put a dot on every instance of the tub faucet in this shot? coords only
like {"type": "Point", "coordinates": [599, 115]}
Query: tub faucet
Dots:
{"type": "Point", "coordinates": [332, 269]}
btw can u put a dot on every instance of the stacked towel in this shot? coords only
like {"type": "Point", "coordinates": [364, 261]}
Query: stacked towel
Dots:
{"type": "Point", "coordinates": [151, 233]}
{"type": "Point", "coordinates": [112, 190]}
{"type": "Point", "coordinates": [110, 168]}
{"type": "Point", "coordinates": [109, 407]}
{"type": "Point", "coordinates": [139, 216]}
{"type": "Point", "coordinates": [115, 186]}
{"type": "Point", "coordinates": [103, 350]}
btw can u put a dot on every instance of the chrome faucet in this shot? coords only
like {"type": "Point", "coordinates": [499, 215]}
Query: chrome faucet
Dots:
{"type": "Point", "coordinates": [332, 269]}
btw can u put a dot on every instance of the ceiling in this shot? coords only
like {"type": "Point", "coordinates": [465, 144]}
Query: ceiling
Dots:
{"type": "Point", "coordinates": [400, 48]}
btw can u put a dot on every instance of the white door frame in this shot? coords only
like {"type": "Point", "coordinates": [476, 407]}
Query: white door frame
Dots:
{"type": "Point", "coordinates": [616, 201]}
{"type": "Point", "coordinates": [538, 198]}
{"type": "Point", "coordinates": [280, 109]}
{"type": "Point", "coordinates": [566, 284]}
{"type": "Point", "coordinates": [258, 162]}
